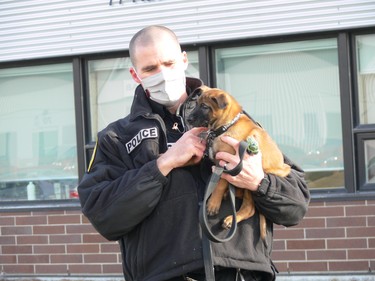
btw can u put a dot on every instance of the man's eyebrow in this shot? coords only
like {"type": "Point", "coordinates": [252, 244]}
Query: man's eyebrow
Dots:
{"type": "Point", "coordinates": [148, 67]}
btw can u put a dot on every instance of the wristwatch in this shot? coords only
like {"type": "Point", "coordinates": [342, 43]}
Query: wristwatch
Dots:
{"type": "Point", "coordinates": [263, 186]}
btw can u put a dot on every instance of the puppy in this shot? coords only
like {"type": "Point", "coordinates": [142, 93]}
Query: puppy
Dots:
{"type": "Point", "coordinates": [219, 111]}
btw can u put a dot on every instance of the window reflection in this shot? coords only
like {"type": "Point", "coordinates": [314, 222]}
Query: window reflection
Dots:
{"type": "Point", "coordinates": [370, 161]}
{"type": "Point", "coordinates": [366, 77]}
{"type": "Point", "coordinates": [292, 89]}
{"type": "Point", "coordinates": [37, 133]}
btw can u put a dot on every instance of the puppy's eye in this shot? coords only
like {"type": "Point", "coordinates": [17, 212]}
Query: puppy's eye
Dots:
{"type": "Point", "coordinates": [204, 106]}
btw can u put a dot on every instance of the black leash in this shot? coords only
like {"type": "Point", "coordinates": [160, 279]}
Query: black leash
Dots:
{"type": "Point", "coordinates": [208, 235]}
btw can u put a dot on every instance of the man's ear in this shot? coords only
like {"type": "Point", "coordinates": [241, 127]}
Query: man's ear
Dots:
{"type": "Point", "coordinates": [134, 75]}
{"type": "Point", "coordinates": [185, 60]}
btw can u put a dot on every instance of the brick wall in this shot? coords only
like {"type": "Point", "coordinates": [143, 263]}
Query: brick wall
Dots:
{"type": "Point", "coordinates": [55, 242]}
{"type": "Point", "coordinates": [334, 236]}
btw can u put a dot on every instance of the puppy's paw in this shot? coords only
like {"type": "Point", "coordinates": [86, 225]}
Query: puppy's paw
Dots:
{"type": "Point", "coordinates": [227, 223]}
{"type": "Point", "coordinates": [213, 207]}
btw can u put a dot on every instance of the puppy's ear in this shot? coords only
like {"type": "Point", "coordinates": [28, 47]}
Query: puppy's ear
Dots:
{"type": "Point", "coordinates": [220, 100]}
{"type": "Point", "coordinates": [200, 90]}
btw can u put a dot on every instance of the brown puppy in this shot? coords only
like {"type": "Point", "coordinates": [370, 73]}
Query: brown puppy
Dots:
{"type": "Point", "coordinates": [216, 110]}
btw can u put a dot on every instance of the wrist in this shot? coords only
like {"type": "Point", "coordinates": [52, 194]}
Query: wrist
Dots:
{"type": "Point", "coordinates": [164, 165]}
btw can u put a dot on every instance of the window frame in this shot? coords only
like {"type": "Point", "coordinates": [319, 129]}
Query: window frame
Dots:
{"type": "Point", "coordinates": [52, 204]}
{"type": "Point", "coordinates": [353, 133]}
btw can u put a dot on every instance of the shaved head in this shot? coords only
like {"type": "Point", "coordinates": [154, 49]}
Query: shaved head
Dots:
{"type": "Point", "coordinates": [150, 36]}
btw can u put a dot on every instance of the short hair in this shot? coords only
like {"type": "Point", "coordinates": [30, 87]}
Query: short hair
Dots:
{"type": "Point", "coordinates": [147, 36]}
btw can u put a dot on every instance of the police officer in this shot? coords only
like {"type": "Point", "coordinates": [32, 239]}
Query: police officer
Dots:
{"type": "Point", "coordinates": [148, 174]}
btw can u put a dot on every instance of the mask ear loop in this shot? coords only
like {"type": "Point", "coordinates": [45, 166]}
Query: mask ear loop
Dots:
{"type": "Point", "coordinates": [181, 119]}
{"type": "Point", "coordinates": [146, 90]}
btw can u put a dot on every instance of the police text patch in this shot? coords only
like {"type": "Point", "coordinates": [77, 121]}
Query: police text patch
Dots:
{"type": "Point", "coordinates": [142, 134]}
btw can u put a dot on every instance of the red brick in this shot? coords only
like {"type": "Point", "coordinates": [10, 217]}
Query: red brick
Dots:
{"type": "Point", "coordinates": [11, 259]}
{"type": "Point", "coordinates": [89, 248]}
{"type": "Point", "coordinates": [326, 255]}
{"type": "Point", "coordinates": [33, 259]}
{"type": "Point", "coordinates": [312, 222]}
{"type": "Point", "coordinates": [308, 266]}
{"type": "Point", "coordinates": [16, 230]}
{"type": "Point", "coordinates": [7, 240]}
{"type": "Point", "coordinates": [305, 244]}
{"type": "Point", "coordinates": [325, 232]}
{"type": "Point", "coordinates": [49, 229]}
{"type": "Point", "coordinates": [289, 255]}
{"type": "Point", "coordinates": [360, 211]}
{"type": "Point", "coordinates": [15, 214]}
{"type": "Point", "coordinates": [361, 232]}
{"type": "Point", "coordinates": [65, 239]}
{"type": "Point", "coordinates": [348, 266]}
{"type": "Point", "coordinates": [70, 258]}
{"type": "Point", "coordinates": [7, 221]}
{"type": "Point", "coordinates": [281, 266]}
{"type": "Point", "coordinates": [109, 247]}
{"type": "Point", "coordinates": [18, 268]}
{"type": "Point", "coordinates": [371, 242]}
{"type": "Point", "coordinates": [52, 269]}
{"type": "Point", "coordinates": [361, 254]}
{"type": "Point", "coordinates": [289, 233]}
{"type": "Point", "coordinates": [326, 212]}
{"type": "Point", "coordinates": [87, 269]}
{"type": "Point", "coordinates": [94, 238]}
{"type": "Point", "coordinates": [279, 245]}
{"type": "Point", "coordinates": [15, 249]}
{"type": "Point", "coordinates": [33, 220]}
{"type": "Point", "coordinates": [112, 268]}
{"type": "Point", "coordinates": [102, 258]}
{"type": "Point", "coordinates": [49, 249]}
{"type": "Point", "coordinates": [346, 222]}
{"type": "Point", "coordinates": [81, 228]}
{"type": "Point", "coordinates": [345, 203]}
{"type": "Point", "coordinates": [32, 239]}
{"type": "Point", "coordinates": [371, 221]}
{"type": "Point", "coordinates": [64, 219]}
{"type": "Point", "coordinates": [346, 243]}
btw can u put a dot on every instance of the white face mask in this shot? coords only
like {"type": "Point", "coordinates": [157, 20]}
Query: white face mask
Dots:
{"type": "Point", "coordinates": [166, 87]}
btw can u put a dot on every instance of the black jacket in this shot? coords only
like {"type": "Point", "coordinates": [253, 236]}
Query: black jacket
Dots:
{"type": "Point", "coordinates": [155, 218]}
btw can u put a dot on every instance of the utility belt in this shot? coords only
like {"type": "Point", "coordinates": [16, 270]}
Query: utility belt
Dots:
{"type": "Point", "coordinates": [226, 274]}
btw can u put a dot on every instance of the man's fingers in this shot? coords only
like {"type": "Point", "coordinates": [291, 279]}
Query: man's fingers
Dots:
{"type": "Point", "coordinates": [229, 140]}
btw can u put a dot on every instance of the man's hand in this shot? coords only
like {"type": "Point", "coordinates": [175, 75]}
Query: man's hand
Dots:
{"type": "Point", "coordinates": [188, 150]}
{"type": "Point", "coordinates": [252, 171]}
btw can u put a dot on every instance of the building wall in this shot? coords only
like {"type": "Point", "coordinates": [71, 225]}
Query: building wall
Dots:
{"type": "Point", "coordinates": [39, 29]}
{"type": "Point", "coordinates": [333, 237]}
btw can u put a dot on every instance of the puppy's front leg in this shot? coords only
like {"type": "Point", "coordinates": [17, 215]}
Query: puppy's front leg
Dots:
{"type": "Point", "coordinates": [246, 211]}
{"type": "Point", "coordinates": [214, 202]}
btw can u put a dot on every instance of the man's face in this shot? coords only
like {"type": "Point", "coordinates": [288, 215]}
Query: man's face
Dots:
{"type": "Point", "coordinates": [154, 58]}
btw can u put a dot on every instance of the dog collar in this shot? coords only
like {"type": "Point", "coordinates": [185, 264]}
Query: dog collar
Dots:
{"type": "Point", "coordinates": [224, 128]}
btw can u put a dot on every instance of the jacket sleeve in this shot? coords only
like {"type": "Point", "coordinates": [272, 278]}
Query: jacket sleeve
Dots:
{"type": "Point", "coordinates": [286, 200]}
{"type": "Point", "coordinates": [116, 194]}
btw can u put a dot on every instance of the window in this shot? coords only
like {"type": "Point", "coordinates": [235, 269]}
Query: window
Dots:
{"type": "Point", "coordinates": [38, 157]}
{"type": "Point", "coordinates": [365, 130]}
{"type": "Point", "coordinates": [112, 88]}
{"type": "Point", "coordinates": [292, 89]}
{"type": "Point", "coordinates": [366, 77]}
